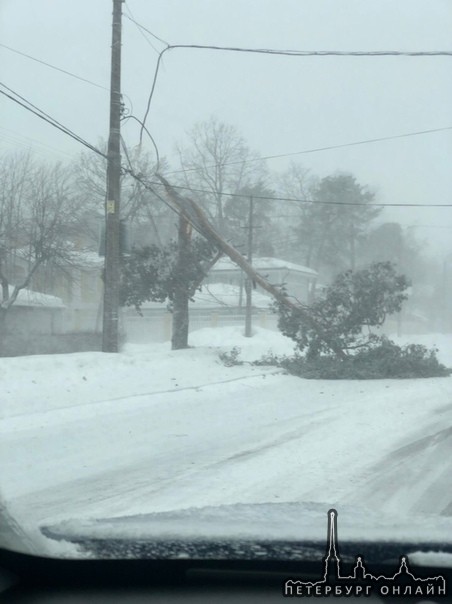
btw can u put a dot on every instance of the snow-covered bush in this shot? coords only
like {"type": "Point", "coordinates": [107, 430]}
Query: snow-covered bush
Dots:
{"type": "Point", "coordinates": [355, 302]}
{"type": "Point", "coordinates": [381, 359]}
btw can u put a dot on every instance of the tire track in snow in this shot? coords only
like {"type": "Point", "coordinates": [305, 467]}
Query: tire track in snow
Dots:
{"type": "Point", "coordinates": [121, 487]}
{"type": "Point", "coordinates": [10, 422]}
{"type": "Point", "coordinates": [394, 483]}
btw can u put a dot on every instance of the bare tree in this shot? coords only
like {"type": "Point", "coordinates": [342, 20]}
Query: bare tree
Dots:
{"type": "Point", "coordinates": [149, 220]}
{"type": "Point", "coordinates": [40, 218]}
{"type": "Point", "coordinates": [217, 161]}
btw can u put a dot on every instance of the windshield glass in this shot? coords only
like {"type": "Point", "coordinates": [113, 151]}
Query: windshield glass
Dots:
{"type": "Point", "coordinates": [225, 273]}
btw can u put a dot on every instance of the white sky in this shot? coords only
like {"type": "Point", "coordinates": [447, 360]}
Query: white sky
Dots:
{"type": "Point", "coordinates": [279, 104]}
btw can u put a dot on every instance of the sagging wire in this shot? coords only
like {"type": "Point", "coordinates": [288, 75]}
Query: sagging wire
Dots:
{"type": "Point", "coordinates": [157, 155]}
{"type": "Point", "coordinates": [290, 53]}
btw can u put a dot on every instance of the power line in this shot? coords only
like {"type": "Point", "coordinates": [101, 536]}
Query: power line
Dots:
{"type": "Point", "coordinates": [141, 32]}
{"type": "Point", "coordinates": [149, 184]}
{"type": "Point", "coordinates": [133, 117]}
{"type": "Point", "coordinates": [260, 51]}
{"type": "Point", "coordinates": [291, 53]}
{"type": "Point", "coordinates": [47, 118]}
{"type": "Point", "coordinates": [130, 17]}
{"type": "Point", "coordinates": [65, 71]}
{"type": "Point", "coordinates": [69, 73]}
{"type": "Point", "coordinates": [42, 115]}
{"type": "Point", "coordinates": [315, 53]}
{"type": "Point", "coordinates": [428, 226]}
{"type": "Point", "coordinates": [316, 201]}
{"type": "Point", "coordinates": [12, 137]}
{"type": "Point", "coordinates": [317, 149]}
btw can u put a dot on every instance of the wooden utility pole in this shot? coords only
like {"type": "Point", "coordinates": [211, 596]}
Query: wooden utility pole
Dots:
{"type": "Point", "coordinates": [248, 282]}
{"type": "Point", "coordinates": [110, 330]}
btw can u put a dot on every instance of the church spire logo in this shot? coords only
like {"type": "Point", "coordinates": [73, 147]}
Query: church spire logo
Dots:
{"type": "Point", "coordinates": [361, 582]}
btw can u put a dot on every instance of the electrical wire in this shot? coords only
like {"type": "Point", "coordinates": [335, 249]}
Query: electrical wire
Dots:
{"type": "Point", "coordinates": [69, 73]}
{"type": "Point", "coordinates": [291, 53]}
{"type": "Point", "coordinates": [318, 149]}
{"type": "Point", "coordinates": [315, 53]}
{"type": "Point", "coordinates": [47, 118]}
{"type": "Point", "coordinates": [65, 71]}
{"type": "Point", "coordinates": [261, 51]}
{"type": "Point", "coordinates": [133, 117]}
{"type": "Point", "coordinates": [150, 184]}
{"type": "Point", "coordinates": [130, 171]}
{"type": "Point", "coordinates": [126, 153]}
{"type": "Point", "coordinates": [143, 29]}
{"type": "Point", "coordinates": [146, 184]}
{"type": "Point", "coordinates": [176, 210]}
{"type": "Point", "coordinates": [315, 201]}
{"type": "Point", "coordinates": [138, 178]}
{"type": "Point", "coordinates": [11, 137]}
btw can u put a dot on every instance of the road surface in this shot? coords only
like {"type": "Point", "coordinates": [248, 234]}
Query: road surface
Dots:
{"type": "Point", "coordinates": [264, 438]}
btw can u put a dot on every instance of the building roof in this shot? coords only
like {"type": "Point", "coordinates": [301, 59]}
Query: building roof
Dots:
{"type": "Point", "coordinates": [80, 258]}
{"type": "Point", "coordinates": [265, 264]}
{"type": "Point", "coordinates": [27, 297]}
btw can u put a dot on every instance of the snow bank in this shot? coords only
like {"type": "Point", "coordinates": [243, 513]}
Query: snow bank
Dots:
{"type": "Point", "coordinates": [42, 383]}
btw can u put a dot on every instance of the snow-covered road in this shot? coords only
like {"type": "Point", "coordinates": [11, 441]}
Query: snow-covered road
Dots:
{"type": "Point", "coordinates": [221, 435]}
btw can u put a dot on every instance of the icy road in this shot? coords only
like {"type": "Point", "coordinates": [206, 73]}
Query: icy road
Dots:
{"type": "Point", "coordinates": [91, 436]}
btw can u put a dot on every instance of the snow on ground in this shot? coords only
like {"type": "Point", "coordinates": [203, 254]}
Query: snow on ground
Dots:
{"type": "Point", "coordinates": [43, 383]}
{"type": "Point", "coordinates": [93, 435]}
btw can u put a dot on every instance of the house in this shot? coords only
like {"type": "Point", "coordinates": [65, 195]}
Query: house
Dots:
{"type": "Point", "coordinates": [79, 287]}
{"type": "Point", "coordinates": [298, 280]}
{"type": "Point", "coordinates": [221, 300]}
{"type": "Point", "coordinates": [34, 313]}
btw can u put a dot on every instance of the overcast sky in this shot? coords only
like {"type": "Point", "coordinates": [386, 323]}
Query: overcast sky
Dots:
{"type": "Point", "coordinates": [279, 104]}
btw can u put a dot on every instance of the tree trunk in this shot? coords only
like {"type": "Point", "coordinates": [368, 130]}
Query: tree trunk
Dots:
{"type": "Point", "coordinates": [179, 339]}
{"type": "Point", "coordinates": [3, 282]}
